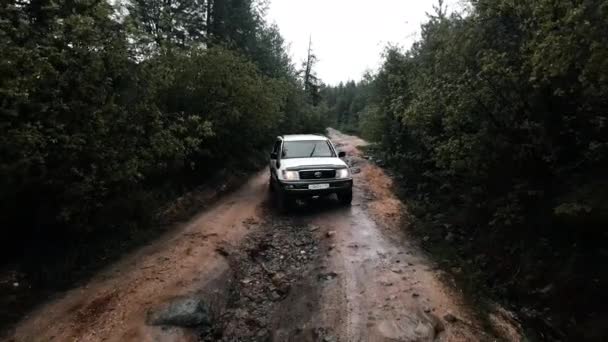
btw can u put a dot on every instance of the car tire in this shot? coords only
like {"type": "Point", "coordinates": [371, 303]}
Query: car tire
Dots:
{"type": "Point", "coordinates": [346, 197]}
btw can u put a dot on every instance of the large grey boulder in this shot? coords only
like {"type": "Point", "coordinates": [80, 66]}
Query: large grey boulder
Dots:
{"type": "Point", "coordinates": [181, 312]}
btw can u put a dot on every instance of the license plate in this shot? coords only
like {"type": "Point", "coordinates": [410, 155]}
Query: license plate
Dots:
{"type": "Point", "coordinates": [318, 186]}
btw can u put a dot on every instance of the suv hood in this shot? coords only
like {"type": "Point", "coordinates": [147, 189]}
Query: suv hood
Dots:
{"type": "Point", "coordinates": [307, 163]}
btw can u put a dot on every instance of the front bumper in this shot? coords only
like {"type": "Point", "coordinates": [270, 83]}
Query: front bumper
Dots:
{"type": "Point", "coordinates": [300, 188]}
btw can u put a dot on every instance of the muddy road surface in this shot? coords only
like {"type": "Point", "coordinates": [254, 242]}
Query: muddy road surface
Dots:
{"type": "Point", "coordinates": [239, 271]}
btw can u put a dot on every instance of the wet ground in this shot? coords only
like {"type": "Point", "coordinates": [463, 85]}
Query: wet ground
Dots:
{"type": "Point", "coordinates": [323, 272]}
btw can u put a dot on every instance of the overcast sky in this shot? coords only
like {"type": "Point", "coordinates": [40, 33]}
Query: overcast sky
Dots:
{"type": "Point", "coordinates": [348, 36]}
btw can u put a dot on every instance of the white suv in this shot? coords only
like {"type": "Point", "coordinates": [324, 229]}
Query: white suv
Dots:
{"type": "Point", "coordinates": [307, 166]}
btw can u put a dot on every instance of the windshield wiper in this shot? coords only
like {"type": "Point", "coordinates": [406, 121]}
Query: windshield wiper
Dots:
{"type": "Point", "coordinates": [313, 151]}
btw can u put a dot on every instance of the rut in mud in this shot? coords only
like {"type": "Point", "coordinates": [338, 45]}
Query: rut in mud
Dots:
{"type": "Point", "coordinates": [266, 268]}
{"type": "Point", "coordinates": [324, 272]}
{"type": "Point", "coordinates": [351, 276]}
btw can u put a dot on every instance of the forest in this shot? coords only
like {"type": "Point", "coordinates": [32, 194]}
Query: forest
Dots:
{"type": "Point", "coordinates": [108, 112]}
{"type": "Point", "coordinates": [496, 122]}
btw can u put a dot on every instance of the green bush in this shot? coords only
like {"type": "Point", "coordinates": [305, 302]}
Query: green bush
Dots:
{"type": "Point", "coordinates": [99, 115]}
{"type": "Point", "coordinates": [482, 105]}
{"type": "Point", "coordinates": [497, 122]}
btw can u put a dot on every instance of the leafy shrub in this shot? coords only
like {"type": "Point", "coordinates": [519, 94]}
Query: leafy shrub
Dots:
{"type": "Point", "coordinates": [496, 120]}
{"type": "Point", "coordinates": [95, 122]}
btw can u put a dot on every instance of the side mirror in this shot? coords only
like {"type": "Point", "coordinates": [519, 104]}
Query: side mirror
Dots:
{"type": "Point", "coordinates": [341, 154]}
{"type": "Point", "coordinates": [273, 155]}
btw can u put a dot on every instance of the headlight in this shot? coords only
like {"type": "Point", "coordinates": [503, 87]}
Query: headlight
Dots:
{"type": "Point", "coordinates": [291, 175]}
{"type": "Point", "coordinates": [342, 173]}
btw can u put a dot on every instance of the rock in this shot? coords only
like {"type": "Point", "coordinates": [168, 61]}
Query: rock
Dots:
{"type": "Point", "coordinates": [480, 259]}
{"type": "Point", "coordinates": [449, 237]}
{"type": "Point", "coordinates": [386, 283]}
{"type": "Point", "coordinates": [327, 276]}
{"type": "Point", "coordinates": [450, 318]}
{"type": "Point", "coordinates": [222, 251]}
{"type": "Point", "coordinates": [437, 323]}
{"type": "Point", "coordinates": [330, 234]}
{"type": "Point", "coordinates": [278, 279]}
{"type": "Point", "coordinates": [15, 284]}
{"type": "Point", "coordinates": [415, 295]}
{"type": "Point", "coordinates": [546, 290]}
{"type": "Point", "coordinates": [529, 312]}
{"type": "Point", "coordinates": [329, 339]}
{"type": "Point", "coordinates": [250, 221]}
{"type": "Point", "coordinates": [282, 284]}
{"type": "Point", "coordinates": [241, 314]}
{"type": "Point", "coordinates": [181, 312]}
{"type": "Point", "coordinates": [456, 270]}
{"type": "Point", "coordinates": [275, 296]}
{"type": "Point", "coordinates": [396, 270]}
{"type": "Point", "coordinates": [425, 330]}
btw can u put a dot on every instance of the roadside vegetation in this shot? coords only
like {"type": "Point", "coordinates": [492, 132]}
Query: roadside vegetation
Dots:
{"type": "Point", "coordinates": [108, 113]}
{"type": "Point", "coordinates": [496, 123]}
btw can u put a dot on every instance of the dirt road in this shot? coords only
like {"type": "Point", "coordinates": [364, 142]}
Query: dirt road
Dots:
{"type": "Point", "coordinates": [322, 273]}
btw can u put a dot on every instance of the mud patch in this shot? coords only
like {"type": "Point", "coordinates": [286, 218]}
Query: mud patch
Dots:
{"type": "Point", "coordinates": [267, 267]}
{"type": "Point", "coordinates": [95, 308]}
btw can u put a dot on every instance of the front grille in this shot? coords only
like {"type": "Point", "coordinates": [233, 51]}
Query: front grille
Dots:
{"type": "Point", "coordinates": [317, 174]}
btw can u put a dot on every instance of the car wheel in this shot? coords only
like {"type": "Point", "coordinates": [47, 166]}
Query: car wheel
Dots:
{"type": "Point", "coordinates": [345, 198]}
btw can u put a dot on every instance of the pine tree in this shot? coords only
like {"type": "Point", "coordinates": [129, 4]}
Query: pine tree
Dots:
{"type": "Point", "coordinates": [163, 24]}
{"type": "Point", "coordinates": [310, 79]}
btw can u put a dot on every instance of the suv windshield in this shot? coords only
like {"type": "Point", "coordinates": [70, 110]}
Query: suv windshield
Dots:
{"type": "Point", "coordinates": [306, 149]}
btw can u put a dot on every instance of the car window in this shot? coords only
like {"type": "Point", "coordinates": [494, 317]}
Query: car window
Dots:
{"type": "Point", "coordinates": [306, 149]}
